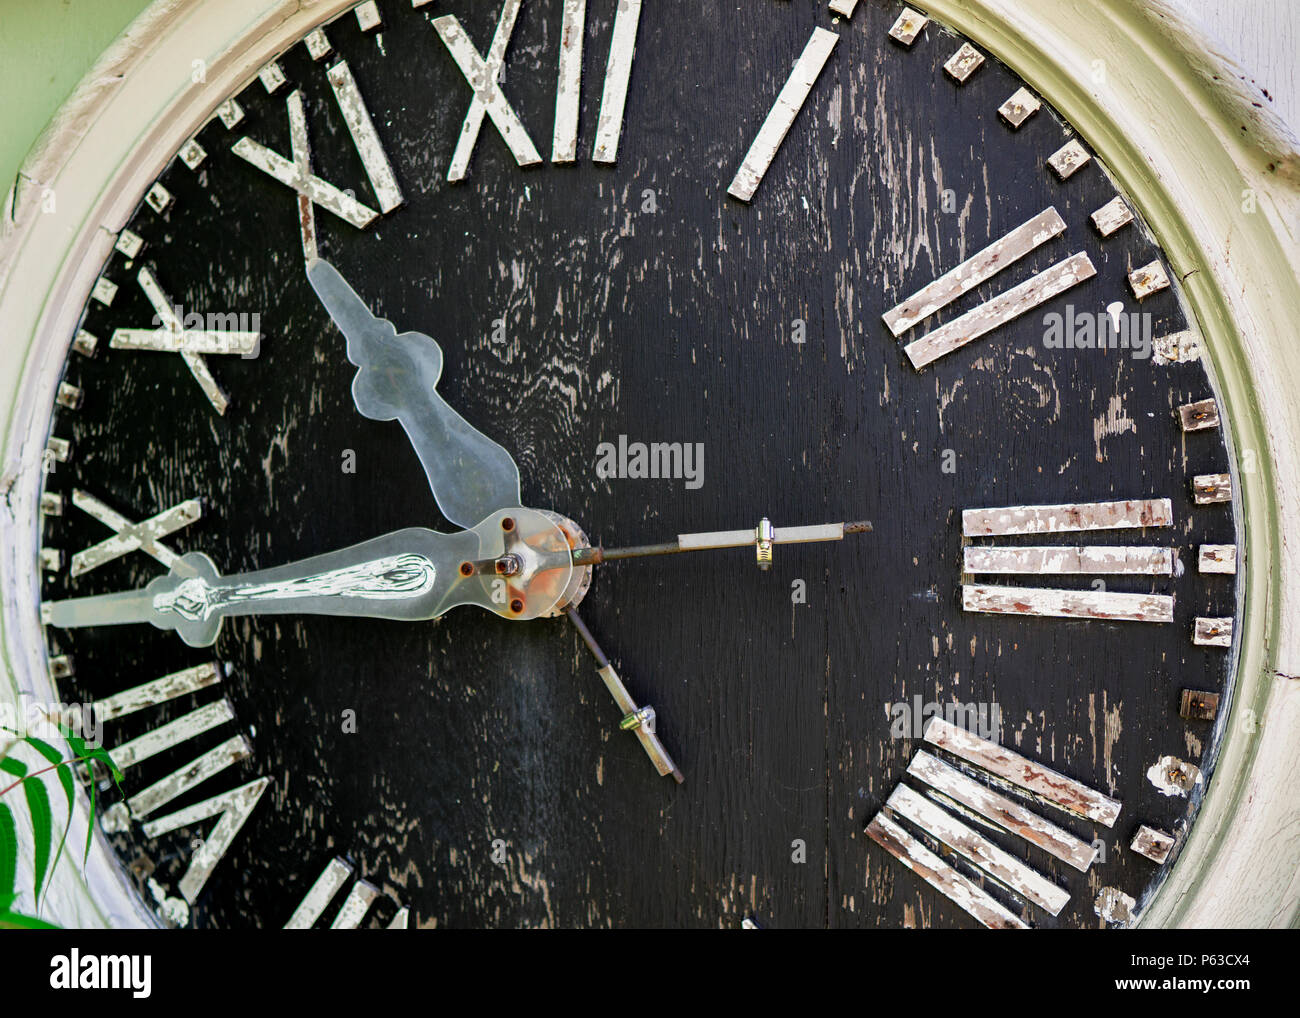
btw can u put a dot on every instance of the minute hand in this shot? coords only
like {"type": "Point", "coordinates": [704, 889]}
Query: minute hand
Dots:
{"type": "Point", "coordinates": [470, 474]}
{"type": "Point", "coordinates": [409, 575]}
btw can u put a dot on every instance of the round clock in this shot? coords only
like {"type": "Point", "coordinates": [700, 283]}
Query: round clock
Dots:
{"type": "Point", "coordinates": [600, 464]}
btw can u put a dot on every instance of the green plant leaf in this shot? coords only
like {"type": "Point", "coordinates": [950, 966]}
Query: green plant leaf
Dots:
{"type": "Point", "coordinates": [8, 851]}
{"type": "Point", "coordinates": [64, 770]}
{"type": "Point", "coordinates": [90, 826]}
{"type": "Point", "coordinates": [44, 748]}
{"type": "Point", "coordinates": [15, 767]}
{"type": "Point", "coordinates": [15, 921]}
{"type": "Point", "coordinates": [38, 803]}
{"type": "Point", "coordinates": [84, 752]}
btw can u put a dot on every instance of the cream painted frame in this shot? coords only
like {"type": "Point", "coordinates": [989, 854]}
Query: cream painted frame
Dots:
{"type": "Point", "coordinates": [1172, 120]}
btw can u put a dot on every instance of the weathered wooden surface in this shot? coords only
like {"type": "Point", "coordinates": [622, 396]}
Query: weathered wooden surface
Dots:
{"type": "Point", "coordinates": [673, 325]}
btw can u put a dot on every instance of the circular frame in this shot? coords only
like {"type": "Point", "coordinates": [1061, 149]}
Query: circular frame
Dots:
{"type": "Point", "coordinates": [1175, 123]}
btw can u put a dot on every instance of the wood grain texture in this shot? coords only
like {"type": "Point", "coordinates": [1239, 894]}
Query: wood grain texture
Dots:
{"type": "Point", "coordinates": [672, 325]}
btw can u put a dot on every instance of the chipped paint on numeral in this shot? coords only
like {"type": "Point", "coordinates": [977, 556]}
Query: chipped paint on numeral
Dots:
{"type": "Point", "coordinates": [844, 8]}
{"type": "Point", "coordinates": [1068, 159]}
{"type": "Point", "coordinates": [190, 776]}
{"type": "Point", "coordinates": [943, 826]}
{"type": "Point", "coordinates": [1208, 489]}
{"type": "Point", "coordinates": [230, 113]}
{"type": "Point", "coordinates": [996, 312]}
{"type": "Point", "coordinates": [364, 136]}
{"type": "Point", "coordinates": [192, 154]}
{"type": "Point", "coordinates": [1022, 105]}
{"type": "Point", "coordinates": [294, 174]}
{"type": "Point", "coordinates": [320, 894]}
{"type": "Point", "coordinates": [1155, 845]}
{"type": "Point", "coordinates": [354, 908]}
{"type": "Point", "coordinates": [1150, 278]}
{"type": "Point", "coordinates": [1072, 604]}
{"type": "Point", "coordinates": [128, 537]}
{"type": "Point", "coordinates": [1200, 416]}
{"type": "Point", "coordinates": [965, 62]}
{"type": "Point", "coordinates": [234, 807]}
{"type": "Point", "coordinates": [85, 343]}
{"type": "Point", "coordinates": [58, 449]}
{"type": "Point", "coordinates": [1043, 782]}
{"type": "Point", "coordinates": [568, 90]}
{"type": "Point", "coordinates": [908, 26]}
{"type": "Point", "coordinates": [51, 560]}
{"type": "Point", "coordinates": [318, 44]}
{"type": "Point", "coordinates": [272, 77]}
{"type": "Point", "coordinates": [1067, 518]}
{"type": "Point", "coordinates": [1212, 632]}
{"type": "Point", "coordinates": [158, 198]}
{"type": "Point", "coordinates": [1002, 253]}
{"type": "Point", "coordinates": [51, 504]}
{"type": "Point", "coordinates": [69, 396]}
{"type": "Point", "coordinates": [129, 243]}
{"type": "Point", "coordinates": [368, 16]}
{"type": "Point", "coordinates": [157, 691]}
{"type": "Point", "coordinates": [782, 115]}
{"type": "Point", "coordinates": [172, 337]}
{"type": "Point", "coordinates": [994, 806]}
{"type": "Point", "coordinates": [1176, 348]}
{"type": "Point", "coordinates": [104, 292]}
{"type": "Point", "coordinates": [172, 734]}
{"type": "Point", "coordinates": [1112, 216]}
{"type": "Point", "coordinates": [1144, 561]}
{"type": "Point", "coordinates": [483, 77]}
{"type": "Point", "coordinates": [1218, 558]}
{"type": "Point", "coordinates": [61, 667]}
{"type": "Point", "coordinates": [618, 72]}
{"type": "Point", "coordinates": [939, 875]}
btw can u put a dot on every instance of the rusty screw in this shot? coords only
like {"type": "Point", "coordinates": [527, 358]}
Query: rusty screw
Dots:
{"type": "Point", "coordinates": [467, 569]}
{"type": "Point", "coordinates": [517, 605]}
{"type": "Point", "coordinates": [507, 523]}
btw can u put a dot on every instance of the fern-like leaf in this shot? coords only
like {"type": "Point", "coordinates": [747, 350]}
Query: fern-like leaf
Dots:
{"type": "Point", "coordinates": [63, 769]}
{"type": "Point", "coordinates": [38, 804]}
{"type": "Point", "coordinates": [8, 851]}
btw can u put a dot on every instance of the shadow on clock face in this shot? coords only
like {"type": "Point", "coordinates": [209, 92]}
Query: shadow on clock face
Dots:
{"type": "Point", "coordinates": [472, 768]}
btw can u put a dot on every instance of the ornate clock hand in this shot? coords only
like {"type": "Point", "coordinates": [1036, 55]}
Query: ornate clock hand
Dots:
{"type": "Point", "coordinates": [470, 474]}
{"type": "Point", "coordinates": [409, 575]}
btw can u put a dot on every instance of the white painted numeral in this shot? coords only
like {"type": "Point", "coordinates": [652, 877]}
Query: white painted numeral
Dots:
{"type": "Point", "coordinates": [233, 807]}
{"type": "Point", "coordinates": [618, 72]}
{"type": "Point", "coordinates": [354, 908]}
{"type": "Point", "coordinates": [483, 77]}
{"type": "Point", "coordinates": [144, 536]}
{"type": "Point", "coordinates": [171, 336]}
{"type": "Point", "coordinates": [782, 115]}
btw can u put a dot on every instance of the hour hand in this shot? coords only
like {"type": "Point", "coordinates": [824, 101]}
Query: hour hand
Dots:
{"type": "Point", "coordinates": [470, 474]}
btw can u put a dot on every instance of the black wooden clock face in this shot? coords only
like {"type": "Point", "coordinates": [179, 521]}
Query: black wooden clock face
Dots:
{"type": "Point", "coordinates": [472, 768]}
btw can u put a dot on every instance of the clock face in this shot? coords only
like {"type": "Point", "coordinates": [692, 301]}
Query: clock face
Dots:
{"type": "Point", "coordinates": [904, 294]}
